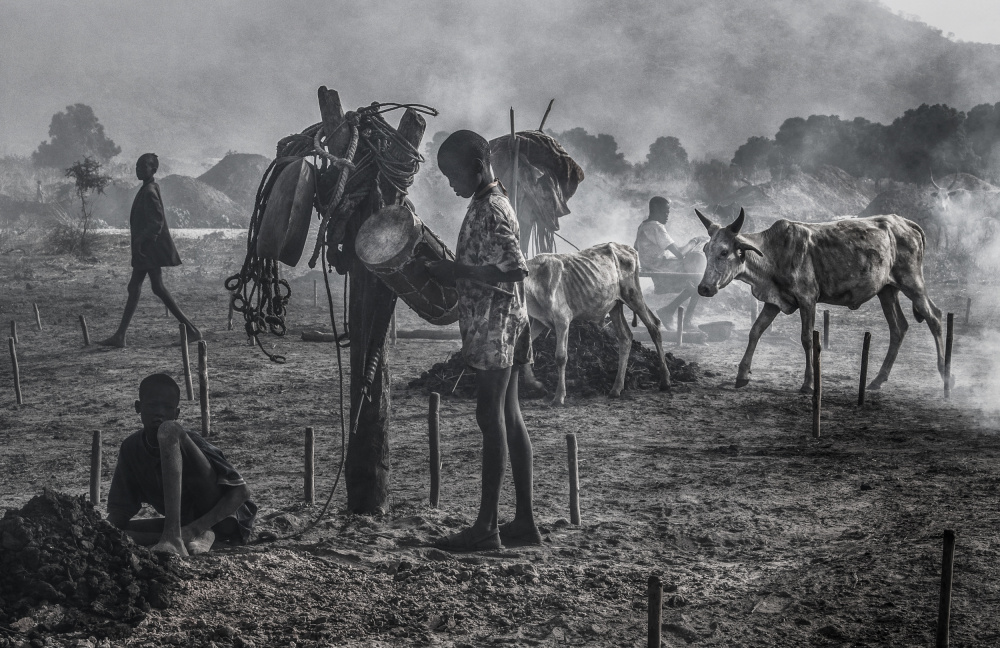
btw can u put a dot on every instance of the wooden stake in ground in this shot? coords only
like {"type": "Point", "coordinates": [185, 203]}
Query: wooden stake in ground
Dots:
{"type": "Point", "coordinates": [232, 307]}
{"type": "Point", "coordinates": [392, 329]}
{"type": "Point", "coordinates": [968, 310]}
{"type": "Point", "coordinates": [86, 333]}
{"type": "Point", "coordinates": [516, 148]}
{"type": "Point", "coordinates": [434, 438]}
{"type": "Point", "coordinates": [38, 317]}
{"type": "Point", "coordinates": [16, 370]}
{"type": "Point", "coordinates": [826, 329]}
{"type": "Point", "coordinates": [655, 606]}
{"type": "Point", "coordinates": [186, 358]}
{"type": "Point", "coordinates": [944, 605]}
{"type": "Point", "coordinates": [310, 485]}
{"type": "Point", "coordinates": [13, 331]}
{"type": "Point", "coordinates": [95, 469]}
{"type": "Point", "coordinates": [315, 295]}
{"type": "Point", "coordinates": [541, 126]}
{"type": "Point", "coordinates": [817, 383]}
{"type": "Point", "coordinates": [206, 427]}
{"type": "Point", "coordinates": [864, 368]}
{"type": "Point", "coordinates": [166, 311]}
{"type": "Point", "coordinates": [949, 340]}
{"type": "Point", "coordinates": [680, 325]}
{"type": "Point", "coordinates": [574, 480]}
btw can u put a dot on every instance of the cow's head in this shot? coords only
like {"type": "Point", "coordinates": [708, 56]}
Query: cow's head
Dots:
{"type": "Point", "coordinates": [943, 197]}
{"type": "Point", "coordinates": [725, 253]}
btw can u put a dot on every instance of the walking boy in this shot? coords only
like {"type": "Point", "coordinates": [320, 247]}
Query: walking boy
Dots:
{"type": "Point", "coordinates": [489, 270]}
{"type": "Point", "coordinates": [152, 250]}
{"type": "Point", "coordinates": [182, 476]}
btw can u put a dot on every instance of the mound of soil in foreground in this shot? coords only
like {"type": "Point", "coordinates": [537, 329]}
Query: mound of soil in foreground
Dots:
{"type": "Point", "coordinates": [590, 367]}
{"type": "Point", "coordinates": [65, 568]}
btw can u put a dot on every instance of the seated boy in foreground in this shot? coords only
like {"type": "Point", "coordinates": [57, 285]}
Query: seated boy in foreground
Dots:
{"type": "Point", "coordinates": [489, 271]}
{"type": "Point", "coordinates": [183, 477]}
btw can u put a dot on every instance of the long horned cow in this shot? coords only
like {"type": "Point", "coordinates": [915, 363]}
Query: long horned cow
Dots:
{"type": "Point", "coordinates": [793, 266]}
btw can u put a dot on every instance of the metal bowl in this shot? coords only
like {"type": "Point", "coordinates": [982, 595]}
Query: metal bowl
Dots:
{"type": "Point", "coordinates": [717, 331]}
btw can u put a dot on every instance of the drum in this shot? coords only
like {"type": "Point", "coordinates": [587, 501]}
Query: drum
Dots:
{"type": "Point", "coordinates": [395, 245]}
{"type": "Point", "coordinates": [285, 225]}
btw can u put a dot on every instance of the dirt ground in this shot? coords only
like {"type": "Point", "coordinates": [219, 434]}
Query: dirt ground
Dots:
{"type": "Point", "coordinates": [762, 534]}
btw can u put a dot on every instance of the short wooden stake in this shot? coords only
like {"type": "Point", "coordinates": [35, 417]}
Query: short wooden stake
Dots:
{"type": "Point", "coordinates": [16, 369]}
{"type": "Point", "coordinates": [315, 295]}
{"type": "Point", "coordinates": [655, 605]}
{"type": "Point", "coordinates": [949, 340]}
{"type": "Point", "coordinates": [826, 329]}
{"type": "Point", "coordinates": [574, 480]}
{"type": "Point", "coordinates": [166, 311]}
{"type": "Point", "coordinates": [434, 437]}
{"type": "Point", "coordinates": [310, 480]}
{"type": "Point", "coordinates": [392, 329]}
{"type": "Point", "coordinates": [865, 347]}
{"type": "Point", "coordinates": [95, 469]}
{"type": "Point", "coordinates": [38, 317]}
{"type": "Point", "coordinates": [86, 333]}
{"type": "Point", "coordinates": [206, 427]}
{"type": "Point", "coordinates": [817, 383]}
{"type": "Point", "coordinates": [680, 325]}
{"type": "Point", "coordinates": [232, 306]}
{"type": "Point", "coordinates": [13, 331]}
{"type": "Point", "coordinates": [968, 310]}
{"type": "Point", "coordinates": [187, 362]}
{"type": "Point", "coordinates": [944, 606]}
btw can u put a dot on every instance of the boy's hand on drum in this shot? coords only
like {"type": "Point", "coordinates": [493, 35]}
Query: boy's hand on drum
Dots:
{"type": "Point", "coordinates": [445, 271]}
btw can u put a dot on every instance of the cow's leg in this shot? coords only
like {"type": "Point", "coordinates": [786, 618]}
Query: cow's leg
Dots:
{"type": "Point", "coordinates": [807, 312]}
{"type": "Point", "coordinates": [652, 324]}
{"type": "Point", "coordinates": [527, 370]}
{"type": "Point", "coordinates": [667, 313]}
{"type": "Point", "coordinates": [624, 335]}
{"type": "Point", "coordinates": [924, 308]}
{"type": "Point", "coordinates": [692, 305]}
{"type": "Point", "coordinates": [889, 298]}
{"type": "Point", "coordinates": [561, 329]}
{"type": "Point", "coordinates": [764, 319]}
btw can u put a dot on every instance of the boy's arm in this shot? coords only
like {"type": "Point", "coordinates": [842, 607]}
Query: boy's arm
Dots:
{"type": "Point", "coordinates": [231, 500]}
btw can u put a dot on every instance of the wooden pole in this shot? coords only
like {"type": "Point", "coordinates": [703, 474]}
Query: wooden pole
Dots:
{"type": "Point", "coordinates": [826, 329]}
{"type": "Point", "coordinates": [949, 340]}
{"type": "Point", "coordinates": [968, 310]}
{"type": "Point", "coordinates": [392, 329]}
{"type": "Point", "coordinates": [86, 334]}
{"type": "Point", "coordinates": [187, 362]}
{"type": "Point", "coordinates": [310, 479]}
{"type": "Point", "coordinates": [516, 148]}
{"type": "Point", "coordinates": [944, 605]}
{"type": "Point", "coordinates": [38, 317]}
{"type": "Point", "coordinates": [434, 437]}
{"type": "Point", "coordinates": [864, 368]}
{"type": "Point", "coordinates": [546, 115]}
{"type": "Point", "coordinates": [680, 325]}
{"type": "Point", "coordinates": [574, 480]}
{"type": "Point", "coordinates": [655, 607]}
{"type": "Point", "coordinates": [13, 331]}
{"type": "Point", "coordinates": [315, 295]}
{"type": "Point", "coordinates": [95, 469]}
{"type": "Point", "coordinates": [817, 383]}
{"type": "Point", "coordinates": [16, 370]}
{"type": "Point", "coordinates": [206, 427]}
{"type": "Point", "coordinates": [232, 307]}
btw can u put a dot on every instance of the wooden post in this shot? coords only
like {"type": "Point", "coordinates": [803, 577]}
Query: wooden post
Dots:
{"type": "Point", "coordinates": [817, 383]}
{"type": "Point", "coordinates": [315, 295]}
{"type": "Point", "coordinates": [206, 427]}
{"type": "Point", "coordinates": [516, 148]}
{"type": "Point", "coordinates": [864, 368]}
{"type": "Point", "coordinates": [434, 437]}
{"type": "Point", "coordinates": [944, 604]}
{"type": "Point", "coordinates": [655, 607]}
{"type": "Point", "coordinates": [38, 317]}
{"type": "Point", "coordinates": [574, 480]}
{"type": "Point", "coordinates": [187, 362]}
{"type": "Point", "coordinates": [13, 331]}
{"type": "Point", "coordinates": [949, 340]}
{"type": "Point", "coordinates": [392, 329]}
{"type": "Point", "coordinates": [826, 329]}
{"type": "Point", "coordinates": [95, 469]}
{"type": "Point", "coordinates": [232, 307]}
{"type": "Point", "coordinates": [166, 311]}
{"type": "Point", "coordinates": [680, 325]}
{"type": "Point", "coordinates": [546, 115]}
{"type": "Point", "coordinates": [16, 370]}
{"type": "Point", "coordinates": [86, 334]}
{"type": "Point", "coordinates": [310, 479]}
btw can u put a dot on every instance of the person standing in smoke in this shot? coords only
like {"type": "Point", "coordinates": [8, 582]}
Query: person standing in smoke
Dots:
{"type": "Point", "coordinates": [152, 250]}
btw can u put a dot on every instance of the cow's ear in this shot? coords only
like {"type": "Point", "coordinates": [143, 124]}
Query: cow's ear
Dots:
{"type": "Point", "coordinates": [737, 224]}
{"type": "Point", "coordinates": [709, 225]}
{"type": "Point", "coordinates": [744, 245]}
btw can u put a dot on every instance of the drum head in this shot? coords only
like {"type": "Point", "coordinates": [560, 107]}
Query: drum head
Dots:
{"type": "Point", "coordinates": [386, 235]}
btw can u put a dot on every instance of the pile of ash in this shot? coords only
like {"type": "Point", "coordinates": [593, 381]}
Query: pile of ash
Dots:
{"type": "Point", "coordinates": [590, 367]}
{"type": "Point", "coordinates": [65, 568]}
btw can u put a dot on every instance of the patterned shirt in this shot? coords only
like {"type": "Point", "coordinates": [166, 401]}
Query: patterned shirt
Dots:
{"type": "Point", "coordinates": [494, 325]}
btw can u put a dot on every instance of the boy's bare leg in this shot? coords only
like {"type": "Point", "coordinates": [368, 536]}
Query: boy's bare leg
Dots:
{"type": "Point", "coordinates": [134, 291]}
{"type": "Point", "coordinates": [522, 529]}
{"type": "Point", "coordinates": [156, 282]}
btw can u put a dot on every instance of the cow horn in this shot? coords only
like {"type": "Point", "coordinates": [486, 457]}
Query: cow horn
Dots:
{"type": "Point", "coordinates": [737, 224]}
{"type": "Point", "coordinates": [742, 244]}
{"type": "Point", "coordinates": [934, 183]}
{"type": "Point", "coordinates": [709, 225]}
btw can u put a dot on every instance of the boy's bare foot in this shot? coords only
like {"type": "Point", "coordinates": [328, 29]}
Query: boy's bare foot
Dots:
{"type": "Point", "coordinates": [520, 533]}
{"type": "Point", "coordinates": [174, 546]}
{"type": "Point", "coordinates": [114, 341]}
{"type": "Point", "coordinates": [201, 544]}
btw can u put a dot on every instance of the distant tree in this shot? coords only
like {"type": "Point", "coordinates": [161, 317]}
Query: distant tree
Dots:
{"type": "Point", "coordinates": [74, 134]}
{"type": "Point", "coordinates": [88, 178]}
{"type": "Point", "coordinates": [594, 152]}
{"type": "Point", "coordinates": [930, 139]}
{"type": "Point", "coordinates": [666, 158]}
{"type": "Point", "coordinates": [751, 156]}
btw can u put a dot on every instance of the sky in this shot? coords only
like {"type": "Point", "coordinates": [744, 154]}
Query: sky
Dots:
{"type": "Point", "coordinates": [976, 21]}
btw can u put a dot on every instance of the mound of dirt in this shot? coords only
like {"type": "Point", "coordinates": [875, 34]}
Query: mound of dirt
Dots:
{"type": "Point", "coordinates": [590, 367]}
{"type": "Point", "coordinates": [238, 175]}
{"type": "Point", "coordinates": [192, 203]}
{"type": "Point", "coordinates": [65, 568]}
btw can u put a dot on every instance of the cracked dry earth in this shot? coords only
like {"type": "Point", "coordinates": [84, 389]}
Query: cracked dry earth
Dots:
{"type": "Point", "coordinates": [762, 535]}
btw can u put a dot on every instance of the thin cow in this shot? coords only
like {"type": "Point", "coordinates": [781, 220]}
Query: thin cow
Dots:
{"type": "Point", "coordinates": [588, 285]}
{"type": "Point", "coordinates": [793, 266]}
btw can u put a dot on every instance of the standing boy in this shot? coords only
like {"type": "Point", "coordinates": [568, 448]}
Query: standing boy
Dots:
{"type": "Point", "coordinates": [489, 271]}
{"type": "Point", "coordinates": [182, 476]}
{"type": "Point", "coordinates": [152, 250]}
